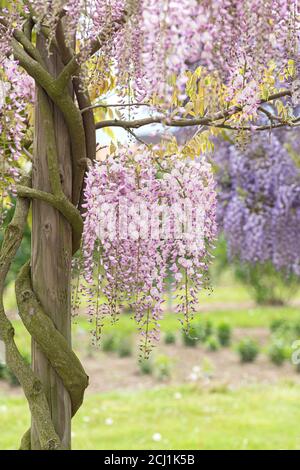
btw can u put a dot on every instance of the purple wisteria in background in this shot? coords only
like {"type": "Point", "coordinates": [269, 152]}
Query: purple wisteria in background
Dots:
{"type": "Point", "coordinates": [259, 200]}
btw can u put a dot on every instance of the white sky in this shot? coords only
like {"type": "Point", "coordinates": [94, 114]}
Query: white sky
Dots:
{"type": "Point", "coordinates": [120, 134]}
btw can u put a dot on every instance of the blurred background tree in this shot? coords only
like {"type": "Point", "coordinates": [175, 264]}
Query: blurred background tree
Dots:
{"type": "Point", "coordinates": [266, 284]}
{"type": "Point", "coordinates": [259, 215]}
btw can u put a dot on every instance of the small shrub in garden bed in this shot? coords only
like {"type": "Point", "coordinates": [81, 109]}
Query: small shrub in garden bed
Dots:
{"type": "Point", "coordinates": [109, 343]}
{"type": "Point", "coordinates": [119, 343]}
{"type": "Point", "coordinates": [190, 337]}
{"type": "Point", "coordinates": [162, 367]}
{"type": "Point", "coordinates": [296, 328]}
{"type": "Point", "coordinates": [124, 347]}
{"type": "Point", "coordinates": [248, 350]}
{"type": "Point", "coordinates": [212, 343]}
{"type": "Point", "coordinates": [224, 334]}
{"type": "Point", "coordinates": [207, 330]}
{"type": "Point", "coordinates": [277, 352]}
{"type": "Point", "coordinates": [204, 329]}
{"type": "Point", "coordinates": [170, 337]}
{"type": "Point", "coordinates": [286, 330]}
{"type": "Point", "coordinates": [279, 325]}
{"type": "Point", "coordinates": [146, 366]}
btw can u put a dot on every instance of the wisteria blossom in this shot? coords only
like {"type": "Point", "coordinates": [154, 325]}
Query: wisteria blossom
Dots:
{"type": "Point", "coordinates": [154, 42]}
{"type": "Point", "coordinates": [147, 214]}
{"type": "Point", "coordinates": [259, 208]}
{"type": "Point", "coordinates": [143, 221]}
{"type": "Point", "coordinates": [242, 39]}
{"type": "Point", "coordinates": [16, 96]}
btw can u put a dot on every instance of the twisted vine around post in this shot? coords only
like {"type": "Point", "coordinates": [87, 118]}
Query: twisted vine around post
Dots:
{"type": "Point", "coordinates": [55, 347]}
{"type": "Point", "coordinates": [41, 328]}
{"type": "Point", "coordinates": [31, 385]}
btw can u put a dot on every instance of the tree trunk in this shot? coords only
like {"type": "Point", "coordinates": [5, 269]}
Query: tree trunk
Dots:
{"type": "Point", "coordinates": [51, 256]}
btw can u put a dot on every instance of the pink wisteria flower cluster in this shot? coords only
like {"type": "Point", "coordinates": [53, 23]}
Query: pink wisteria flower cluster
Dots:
{"type": "Point", "coordinates": [146, 220]}
{"type": "Point", "coordinates": [239, 39]}
{"type": "Point", "coordinates": [16, 94]}
{"type": "Point", "coordinates": [145, 41]}
{"type": "Point", "coordinates": [145, 44]}
{"type": "Point", "coordinates": [156, 39]}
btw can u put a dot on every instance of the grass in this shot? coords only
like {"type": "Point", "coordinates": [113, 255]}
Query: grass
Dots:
{"type": "Point", "coordinates": [241, 419]}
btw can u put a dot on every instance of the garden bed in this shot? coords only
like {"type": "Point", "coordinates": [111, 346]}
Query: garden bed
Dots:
{"type": "Point", "coordinates": [186, 365]}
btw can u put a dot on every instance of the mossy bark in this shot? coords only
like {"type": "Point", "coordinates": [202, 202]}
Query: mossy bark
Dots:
{"type": "Point", "coordinates": [52, 252]}
{"type": "Point", "coordinates": [64, 139]}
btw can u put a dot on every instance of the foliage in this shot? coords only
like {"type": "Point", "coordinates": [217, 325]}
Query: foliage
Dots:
{"type": "Point", "coordinates": [286, 328]}
{"type": "Point", "coordinates": [2, 370]}
{"type": "Point", "coordinates": [212, 343]}
{"type": "Point", "coordinates": [23, 253]}
{"type": "Point", "coordinates": [267, 284]}
{"type": "Point", "coordinates": [190, 337]}
{"type": "Point", "coordinates": [162, 367]}
{"type": "Point", "coordinates": [285, 332]}
{"type": "Point", "coordinates": [170, 337]}
{"type": "Point", "coordinates": [224, 334]}
{"type": "Point", "coordinates": [279, 325]}
{"type": "Point", "coordinates": [109, 343]}
{"type": "Point", "coordinates": [277, 352]}
{"type": "Point", "coordinates": [248, 350]}
{"type": "Point", "coordinates": [124, 346]}
{"type": "Point", "coordinates": [204, 329]}
{"type": "Point", "coordinates": [146, 366]}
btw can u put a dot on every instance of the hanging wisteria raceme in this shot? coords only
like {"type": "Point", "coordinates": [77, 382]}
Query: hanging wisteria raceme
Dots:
{"type": "Point", "coordinates": [231, 32]}
{"type": "Point", "coordinates": [146, 43]}
{"type": "Point", "coordinates": [143, 41]}
{"type": "Point", "coordinates": [144, 219]}
{"type": "Point", "coordinates": [16, 96]}
{"type": "Point", "coordinates": [242, 39]}
{"type": "Point", "coordinates": [259, 208]}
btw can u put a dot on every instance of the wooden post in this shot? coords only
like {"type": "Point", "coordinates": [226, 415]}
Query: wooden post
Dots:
{"type": "Point", "coordinates": [51, 256]}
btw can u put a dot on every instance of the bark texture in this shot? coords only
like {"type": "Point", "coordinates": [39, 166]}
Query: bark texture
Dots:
{"type": "Point", "coordinates": [52, 253]}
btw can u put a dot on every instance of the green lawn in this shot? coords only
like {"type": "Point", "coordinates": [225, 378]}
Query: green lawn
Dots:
{"type": "Point", "coordinates": [261, 417]}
